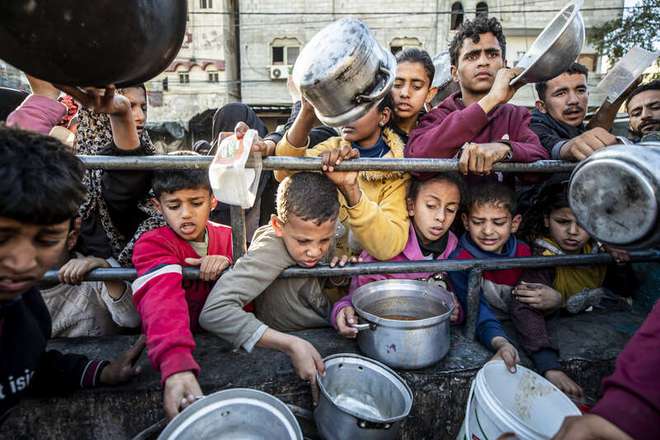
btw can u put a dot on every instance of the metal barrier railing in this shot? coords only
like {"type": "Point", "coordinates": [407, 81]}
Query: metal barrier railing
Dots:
{"type": "Point", "coordinates": [476, 267]}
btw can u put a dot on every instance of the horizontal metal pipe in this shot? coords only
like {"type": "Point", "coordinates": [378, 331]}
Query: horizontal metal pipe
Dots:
{"type": "Point", "coordinates": [314, 164]}
{"type": "Point", "coordinates": [396, 267]}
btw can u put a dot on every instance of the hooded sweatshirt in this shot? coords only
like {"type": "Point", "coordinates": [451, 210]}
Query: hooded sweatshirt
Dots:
{"type": "Point", "coordinates": [552, 133]}
{"type": "Point", "coordinates": [496, 285]}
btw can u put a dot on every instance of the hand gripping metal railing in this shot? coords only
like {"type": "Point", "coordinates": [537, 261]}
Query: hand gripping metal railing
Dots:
{"type": "Point", "coordinates": [476, 267]}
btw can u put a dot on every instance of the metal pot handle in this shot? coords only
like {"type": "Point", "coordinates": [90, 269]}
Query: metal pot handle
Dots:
{"type": "Point", "coordinates": [364, 424]}
{"type": "Point", "coordinates": [376, 96]}
{"type": "Point", "coordinates": [361, 327]}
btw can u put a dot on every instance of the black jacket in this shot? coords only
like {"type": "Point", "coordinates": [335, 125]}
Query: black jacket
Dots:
{"type": "Point", "coordinates": [551, 131]}
{"type": "Point", "coordinates": [25, 365]}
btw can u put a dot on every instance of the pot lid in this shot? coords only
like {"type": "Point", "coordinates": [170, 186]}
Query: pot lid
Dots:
{"type": "Point", "coordinates": [235, 413]}
{"type": "Point", "coordinates": [614, 200]}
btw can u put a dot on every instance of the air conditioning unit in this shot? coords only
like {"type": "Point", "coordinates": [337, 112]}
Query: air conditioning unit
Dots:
{"type": "Point", "coordinates": [280, 72]}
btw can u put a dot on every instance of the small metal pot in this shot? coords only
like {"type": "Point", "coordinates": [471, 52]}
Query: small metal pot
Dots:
{"type": "Point", "coordinates": [556, 48]}
{"type": "Point", "coordinates": [403, 323]}
{"type": "Point", "coordinates": [360, 399]}
{"type": "Point", "coordinates": [343, 72]}
{"type": "Point", "coordinates": [239, 413]}
{"type": "Point", "coordinates": [615, 195]}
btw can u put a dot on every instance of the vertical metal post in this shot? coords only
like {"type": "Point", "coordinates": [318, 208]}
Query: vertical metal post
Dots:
{"type": "Point", "coordinates": [474, 290]}
{"type": "Point", "coordinates": [238, 231]}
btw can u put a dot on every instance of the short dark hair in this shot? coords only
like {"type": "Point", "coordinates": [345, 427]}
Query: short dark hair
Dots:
{"type": "Point", "coordinates": [309, 196]}
{"type": "Point", "coordinates": [452, 177]}
{"type": "Point", "coordinates": [41, 180]}
{"type": "Point", "coordinates": [574, 69]}
{"type": "Point", "coordinates": [653, 85]}
{"type": "Point", "coordinates": [472, 29]}
{"type": "Point", "coordinates": [550, 196]}
{"type": "Point", "coordinates": [416, 55]}
{"type": "Point", "coordinates": [495, 193]}
{"type": "Point", "coordinates": [386, 102]}
{"type": "Point", "coordinates": [169, 181]}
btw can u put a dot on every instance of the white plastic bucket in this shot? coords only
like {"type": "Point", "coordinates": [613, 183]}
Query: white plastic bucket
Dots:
{"type": "Point", "coordinates": [522, 402]}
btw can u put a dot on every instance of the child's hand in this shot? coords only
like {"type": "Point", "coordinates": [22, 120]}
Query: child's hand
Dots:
{"type": "Point", "coordinates": [180, 390]}
{"type": "Point", "coordinates": [345, 320]}
{"type": "Point", "coordinates": [346, 181]}
{"type": "Point", "coordinates": [306, 361]}
{"type": "Point", "coordinates": [74, 270]}
{"type": "Point", "coordinates": [265, 147]}
{"type": "Point", "coordinates": [100, 100]}
{"type": "Point", "coordinates": [42, 88]}
{"type": "Point", "coordinates": [538, 296]}
{"type": "Point", "coordinates": [621, 256]}
{"type": "Point", "coordinates": [506, 352]}
{"type": "Point", "coordinates": [210, 267]}
{"type": "Point", "coordinates": [341, 261]}
{"type": "Point", "coordinates": [479, 158]}
{"type": "Point", "coordinates": [123, 368]}
{"type": "Point", "coordinates": [456, 313]}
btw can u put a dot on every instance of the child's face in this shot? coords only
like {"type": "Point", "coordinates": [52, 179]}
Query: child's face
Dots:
{"type": "Point", "coordinates": [186, 211]}
{"type": "Point", "coordinates": [478, 64]}
{"type": "Point", "coordinates": [565, 230]}
{"type": "Point", "coordinates": [434, 209]}
{"type": "Point", "coordinates": [306, 242]}
{"type": "Point", "coordinates": [366, 130]}
{"type": "Point", "coordinates": [138, 106]}
{"type": "Point", "coordinates": [411, 90]}
{"type": "Point", "coordinates": [490, 226]}
{"type": "Point", "coordinates": [27, 252]}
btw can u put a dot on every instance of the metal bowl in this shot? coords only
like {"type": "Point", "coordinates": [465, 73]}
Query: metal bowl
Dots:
{"type": "Point", "coordinates": [239, 413]}
{"type": "Point", "coordinates": [92, 43]}
{"type": "Point", "coordinates": [555, 49]}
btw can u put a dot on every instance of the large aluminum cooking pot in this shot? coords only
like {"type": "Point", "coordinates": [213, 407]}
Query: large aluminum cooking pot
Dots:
{"type": "Point", "coordinates": [403, 323]}
{"type": "Point", "coordinates": [360, 399]}
{"type": "Point", "coordinates": [238, 413]}
{"type": "Point", "coordinates": [92, 43]}
{"type": "Point", "coordinates": [343, 72]}
{"type": "Point", "coordinates": [555, 49]}
{"type": "Point", "coordinates": [615, 194]}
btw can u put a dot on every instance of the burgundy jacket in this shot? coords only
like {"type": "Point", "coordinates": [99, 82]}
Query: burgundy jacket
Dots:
{"type": "Point", "coordinates": [443, 131]}
{"type": "Point", "coordinates": [631, 397]}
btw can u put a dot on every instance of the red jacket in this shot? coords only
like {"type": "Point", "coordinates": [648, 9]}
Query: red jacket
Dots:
{"type": "Point", "coordinates": [631, 398]}
{"type": "Point", "coordinates": [443, 131]}
{"type": "Point", "coordinates": [168, 305]}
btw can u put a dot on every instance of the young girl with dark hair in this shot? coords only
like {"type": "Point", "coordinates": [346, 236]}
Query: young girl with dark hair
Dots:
{"type": "Point", "coordinates": [432, 206]}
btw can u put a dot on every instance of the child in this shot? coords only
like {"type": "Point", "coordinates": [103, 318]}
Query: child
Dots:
{"type": "Point", "coordinates": [300, 234]}
{"type": "Point", "coordinates": [40, 180]}
{"type": "Point", "coordinates": [478, 124]}
{"type": "Point", "coordinates": [412, 91]}
{"type": "Point", "coordinates": [87, 308]}
{"type": "Point", "coordinates": [543, 291]}
{"type": "Point", "coordinates": [490, 226]}
{"type": "Point", "coordinates": [432, 206]}
{"type": "Point", "coordinates": [372, 202]}
{"type": "Point", "coordinates": [168, 305]}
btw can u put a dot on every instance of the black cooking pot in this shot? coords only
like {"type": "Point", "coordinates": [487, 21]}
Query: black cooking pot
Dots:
{"type": "Point", "coordinates": [92, 42]}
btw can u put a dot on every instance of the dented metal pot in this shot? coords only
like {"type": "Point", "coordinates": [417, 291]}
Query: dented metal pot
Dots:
{"type": "Point", "coordinates": [403, 323]}
{"type": "Point", "coordinates": [343, 72]}
{"type": "Point", "coordinates": [615, 195]}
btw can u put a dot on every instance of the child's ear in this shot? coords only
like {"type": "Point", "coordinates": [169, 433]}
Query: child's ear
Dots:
{"type": "Point", "coordinates": [546, 221]}
{"type": "Point", "coordinates": [74, 233]}
{"type": "Point", "coordinates": [410, 206]}
{"type": "Point", "coordinates": [157, 205]}
{"type": "Point", "coordinates": [214, 202]}
{"type": "Point", "coordinates": [277, 225]}
{"type": "Point", "coordinates": [430, 95]}
{"type": "Point", "coordinates": [385, 116]}
{"type": "Point", "coordinates": [466, 223]}
{"type": "Point", "coordinates": [454, 74]}
{"type": "Point", "coordinates": [540, 106]}
{"type": "Point", "coordinates": [515, 223]}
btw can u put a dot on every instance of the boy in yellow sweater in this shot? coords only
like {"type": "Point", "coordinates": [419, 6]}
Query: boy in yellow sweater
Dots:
{"type": "Point", "coordinates": [372, 202]}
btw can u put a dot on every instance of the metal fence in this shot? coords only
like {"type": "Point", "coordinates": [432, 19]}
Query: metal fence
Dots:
{"type": "Point", "coordinates": [475, 267]}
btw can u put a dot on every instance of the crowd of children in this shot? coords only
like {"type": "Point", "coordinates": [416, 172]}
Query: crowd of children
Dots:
{"type": "Point", "coordinates": [55, 215]}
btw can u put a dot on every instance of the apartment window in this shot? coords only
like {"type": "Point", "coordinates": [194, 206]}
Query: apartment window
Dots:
{"type": "Point", "coordinates": [166, 85]}
{"type": "Point", "coordinates": [285, 51]}
{"type": "Point", "coordinates": [214, 77]}
{"type": "Point", "coordinates": [482, 9]}
{"type": "Point", "coordinates": [456, 15]}
{"type": "Point", "coordinates": [396, 49]}
{"type": "Point", "coordinates": [401, 43]}
{"type": "Point", "coordinates": [184, 78]}
{"type": "Point", "coordinates": [206, 4]}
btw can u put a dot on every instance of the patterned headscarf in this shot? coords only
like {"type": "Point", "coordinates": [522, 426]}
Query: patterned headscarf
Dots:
{"type": "Point", "coordinates": [95, 133]}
